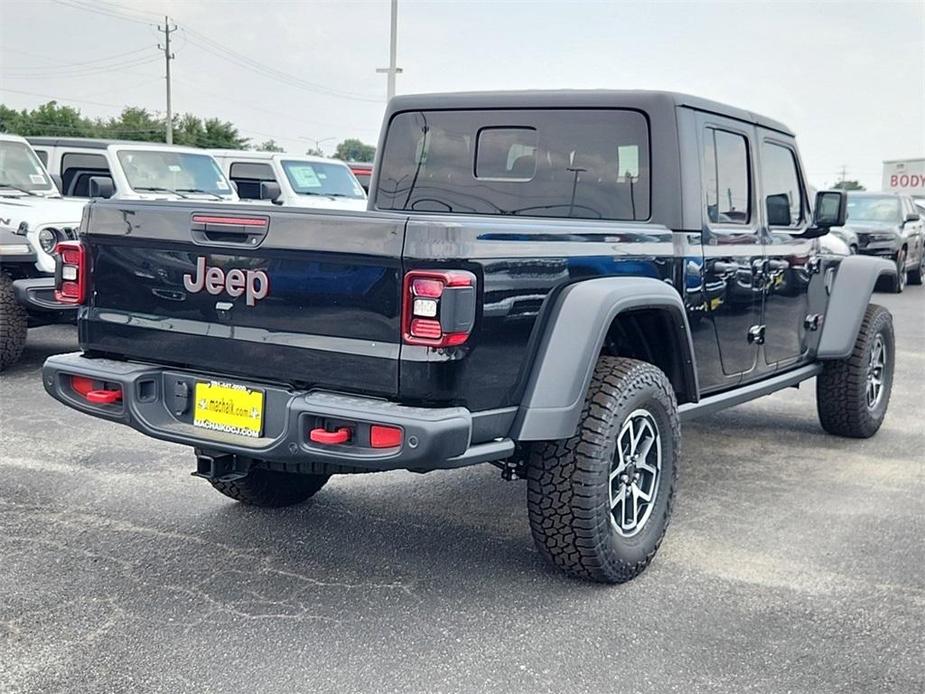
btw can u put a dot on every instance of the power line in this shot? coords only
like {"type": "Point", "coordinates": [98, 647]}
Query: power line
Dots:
{"type": "Point", "coordinates": [58, 65]}
{"type": "Point", "coordinates": [75, 4]}
{"type": "Point", "coordinates": [85, 71]}
{"type": "Point", "coordinates": [217, 49]}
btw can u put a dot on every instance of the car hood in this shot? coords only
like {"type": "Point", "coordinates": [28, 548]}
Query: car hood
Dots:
{"type": "Point", "coordinates": [870, 227]}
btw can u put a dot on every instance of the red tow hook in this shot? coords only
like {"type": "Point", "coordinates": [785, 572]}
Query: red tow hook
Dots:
{"type": "Point", "coordinates": [84, 386]}
{"type": "Point", "coordinates": [323, 436]}
{"type": "Point", "coordinates": [103, 397]}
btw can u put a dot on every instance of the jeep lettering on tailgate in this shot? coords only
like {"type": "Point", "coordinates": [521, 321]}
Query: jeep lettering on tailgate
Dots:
{"type": "Point", "coordinates": [254, 284]}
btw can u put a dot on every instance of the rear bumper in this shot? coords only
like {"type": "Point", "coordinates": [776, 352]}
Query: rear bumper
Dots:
{"type": "Point", "coordinates": [158, 402]}
{"type": "Point", "coordinates": [37, 295]}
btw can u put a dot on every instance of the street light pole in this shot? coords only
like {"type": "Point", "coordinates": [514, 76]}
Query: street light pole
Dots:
{"type": "Point", "coordinates": [392, 70]}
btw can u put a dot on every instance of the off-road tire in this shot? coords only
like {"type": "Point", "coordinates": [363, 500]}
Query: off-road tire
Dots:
{"type": "Point", "coordinates": [899, 282]}
{"type": "Point", "coordinates": [841, 388]}
{"type": "Point", "coordinates": [13, 324]}
{"type": "Point", "coordinates": [568, 481]}
{"type": "Point", "coordinates": [271, 489]}
{"type": "Point", "coordinates": [916, 276]}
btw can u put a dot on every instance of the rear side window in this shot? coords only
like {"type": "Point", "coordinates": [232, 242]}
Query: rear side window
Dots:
{"type": "Point", "coordinates": [780, 179]}
{"type": "Point", "coordinates": [76, 170]}
{"type": "Point", "coordinates": [43, 156]}
{"type": "Point", "coordinates": [727, 183]}
{"type": "Point", "coordinates": [580, 163]}
{"type": "Point", "coordinates": [252, 170]}
{"type": "Point", "coordinates": [247, 176]}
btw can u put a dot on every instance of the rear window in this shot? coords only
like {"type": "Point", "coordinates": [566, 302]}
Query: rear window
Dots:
{"type": "Point", "coordinates": [582, 164]}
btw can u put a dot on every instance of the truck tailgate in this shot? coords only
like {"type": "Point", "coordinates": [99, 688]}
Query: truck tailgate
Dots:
{"type": "Point", "coordinates": [298, 296]}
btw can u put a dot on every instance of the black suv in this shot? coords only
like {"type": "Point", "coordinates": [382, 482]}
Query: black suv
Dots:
{"type": "Point", "coordinates": [547, 281]}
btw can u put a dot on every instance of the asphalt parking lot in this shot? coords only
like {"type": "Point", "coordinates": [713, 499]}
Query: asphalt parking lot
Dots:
{"type": "Point", "coordinates": [795, 563]}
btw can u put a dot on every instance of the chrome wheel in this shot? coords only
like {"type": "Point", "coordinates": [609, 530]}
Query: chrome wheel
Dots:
{"type": "Point", "coordinates": [634, 473]}
{"type": "Point", "coordinates": [876, 366]}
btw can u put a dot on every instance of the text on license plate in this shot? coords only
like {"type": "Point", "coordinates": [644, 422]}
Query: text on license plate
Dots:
{"type": "Point", "coordinates": [230, 408]}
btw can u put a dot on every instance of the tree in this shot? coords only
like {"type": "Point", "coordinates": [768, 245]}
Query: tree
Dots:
{"type": "Point", "coordinates": [315, 152]}
{"type": "Point", "coordinates": [848, 185]}
{"type": "Point", "coordinates": [269, 146]}
{"type": "Point", "coordinates": [352, 149]}
{"type": "Point", "coordinates": [132, 124]}
{"type": "Point", "coordinates": [47, 119]}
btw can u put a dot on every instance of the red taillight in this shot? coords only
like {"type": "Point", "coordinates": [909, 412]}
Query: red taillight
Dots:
{"type": "Point", "coordinates": [70, 272]}
{"type": "Point", "coordinates": [438, 307]}
{"type": "Point", "coordinates": [381, 436]}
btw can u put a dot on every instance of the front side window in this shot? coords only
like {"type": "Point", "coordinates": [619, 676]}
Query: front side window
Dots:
{"type": "Point", "coordinates": [21, 169]}
{"type": "Point", "coordinates": [874, 208]}
{"type": "Point", "coordinates": [169, 171]}
{"type": "Point", "coordinates": [782, 193]}
{"type": "Point", "coordinates": [727, 184]}
{"type": "Point", "coordinates": [579, 163]}
{"type": "Point", "coordinates": [319, 178]}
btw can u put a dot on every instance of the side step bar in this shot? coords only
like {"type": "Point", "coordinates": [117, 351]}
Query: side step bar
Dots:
{"type": "Point", "coordinates": [751, 391]}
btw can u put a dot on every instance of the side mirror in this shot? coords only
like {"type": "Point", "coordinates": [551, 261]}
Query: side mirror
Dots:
{"type": "Point", "coordinates": [101, 187]}
{"type": "Point", "coordinates": [56, 179]}
{"type": "Point", "coordinates": [270, 190]}
{"type": "Point", "coordinates": [912, 217]}
{"type": "Point", "coordinates": [830, 210]}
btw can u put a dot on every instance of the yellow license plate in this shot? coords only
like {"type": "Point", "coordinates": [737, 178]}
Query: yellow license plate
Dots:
{"type": "Point", "coordinates": [230, 408]}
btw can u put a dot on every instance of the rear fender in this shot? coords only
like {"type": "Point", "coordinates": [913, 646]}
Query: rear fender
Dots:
{"type": "Point", "coordinates": [573, 340]}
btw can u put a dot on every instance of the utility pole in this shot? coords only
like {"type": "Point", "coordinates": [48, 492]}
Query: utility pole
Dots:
{"type": "Point", "coordinates": [392, 69]}
{"type": "Point", "coordinates": [844, 173]}
{"type": "Point", "coordinates": [168, 56]}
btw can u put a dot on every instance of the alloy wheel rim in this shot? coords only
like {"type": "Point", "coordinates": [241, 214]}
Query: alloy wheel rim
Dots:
{"type": "Point", "coordinates": [876, 370]}
{"type": "Point", "coordinates": [634, 473]}
{"type": "Point", "coordinates": [901, 270]}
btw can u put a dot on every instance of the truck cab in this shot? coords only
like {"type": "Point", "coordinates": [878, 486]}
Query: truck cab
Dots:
{"type": "Point", "coordinates": [88, 168]}
{"type": "Point", "coordinates": [292, 180]}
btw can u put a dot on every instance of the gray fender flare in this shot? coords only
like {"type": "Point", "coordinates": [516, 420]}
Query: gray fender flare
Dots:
{"type": "Point", "coordinates": [854, 283]}
{"type": "Point", "coordinates": [572, 341]}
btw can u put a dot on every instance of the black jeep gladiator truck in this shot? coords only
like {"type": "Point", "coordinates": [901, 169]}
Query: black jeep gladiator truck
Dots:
{"type": "Point", "coordinates": [547, 281]}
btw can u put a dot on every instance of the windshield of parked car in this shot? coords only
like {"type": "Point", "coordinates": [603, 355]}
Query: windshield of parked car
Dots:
{"type": "Point", "coordinates": [318, 178]}
{"type": "Point", "coordinates": [184, 173]}
{"type": "Point", "coordinates": [20, 169]}
{"type": "Point", "coordinates": [581, 163]}
{"type": "Point", "coordinates": [873, 209]}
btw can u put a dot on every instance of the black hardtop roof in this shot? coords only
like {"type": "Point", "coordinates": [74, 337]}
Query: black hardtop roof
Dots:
{"type": "Point", "coordinates": [643, 100]}
{"type": "Point", "coordinates": [86, 142]}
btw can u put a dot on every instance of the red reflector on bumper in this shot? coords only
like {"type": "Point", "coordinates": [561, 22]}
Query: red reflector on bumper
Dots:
{"type": "Point", "coordinates": [384, 437]}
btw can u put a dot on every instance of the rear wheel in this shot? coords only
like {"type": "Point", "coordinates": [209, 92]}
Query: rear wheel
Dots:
{"type": "Point", "coordinates": [852, 394]}
{"type": "Point", "coordinates": [599, 503]}
{"type": "Point", "coordinates": [13, 324]}
{"type": "Point", "coordinates": [271, 489]}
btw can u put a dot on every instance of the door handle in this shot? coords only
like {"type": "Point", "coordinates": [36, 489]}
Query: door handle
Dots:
{"type": "Point", "coordinates": [776, 264]}
{"type": "Point", "coordinates": [726, 268]}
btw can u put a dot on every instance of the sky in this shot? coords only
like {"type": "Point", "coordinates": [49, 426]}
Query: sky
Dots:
{"type": "Point", "coordinates": [848, 78]}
